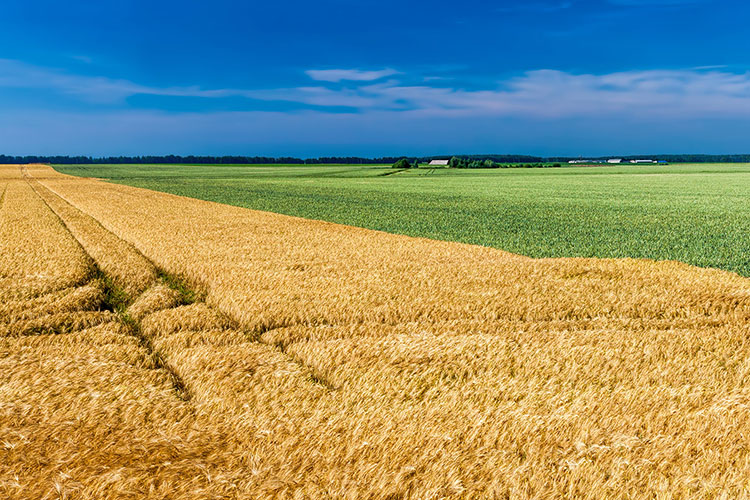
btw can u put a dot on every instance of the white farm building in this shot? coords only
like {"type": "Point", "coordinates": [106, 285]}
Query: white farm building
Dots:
{"type": "Point", "coordinates": [438, 163]}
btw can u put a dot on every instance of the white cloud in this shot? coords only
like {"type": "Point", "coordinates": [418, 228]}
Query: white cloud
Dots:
{"type": "Point", "coordinates": [695, 93]}
{"type": "Point", "coordinates": [96, 89]}
{"type": "Point", "coordinates": [549, 93]}
{"type": "Point", "coordinates": [354, 75]}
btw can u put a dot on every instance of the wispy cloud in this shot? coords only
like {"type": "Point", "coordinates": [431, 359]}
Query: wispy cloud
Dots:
{"type": "Point", "coordinates": [95, 89]}
{"type": "Point", "coordinates": [535, 7]}
{"type": "Point", "coordinates": [711, 66]}
{"type": "Point", "coordinates": [708, 92]}
{"type": "Point", "coordinates": [641, 3]}
{"type": "Point", "coordinates": [82, 58]}
{"type": "Point", "coordinates": [354, 75]}
{"type": "Point", "coordinates": [550, 93]}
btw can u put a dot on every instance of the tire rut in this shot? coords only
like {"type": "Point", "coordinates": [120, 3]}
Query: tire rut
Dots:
{"type": "Point", "coordinates": [113, 303]}
{"type": "Point", "coordinates": [189, 295]}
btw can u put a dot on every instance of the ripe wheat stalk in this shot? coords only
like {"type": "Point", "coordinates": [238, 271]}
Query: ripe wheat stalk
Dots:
{"type": "Point", "coordinates": [325, 361]}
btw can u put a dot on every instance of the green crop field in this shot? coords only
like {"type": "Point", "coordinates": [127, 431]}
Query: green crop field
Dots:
{"type": "Point", "coordinates": [698, 214]}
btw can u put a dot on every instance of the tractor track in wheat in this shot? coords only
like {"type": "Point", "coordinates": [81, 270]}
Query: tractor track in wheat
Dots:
{"type": "Point", "coordinates": [119, 304]}
{"type": "Point", "coordinates": [113, 304]}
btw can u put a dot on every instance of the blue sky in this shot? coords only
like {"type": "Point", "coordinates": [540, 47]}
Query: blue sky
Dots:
{"type": "Point", "coordinates": [367, 77]}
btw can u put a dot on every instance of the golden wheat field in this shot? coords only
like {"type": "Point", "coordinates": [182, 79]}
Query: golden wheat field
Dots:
{"type": "Point", "coordinates": [154, 346]}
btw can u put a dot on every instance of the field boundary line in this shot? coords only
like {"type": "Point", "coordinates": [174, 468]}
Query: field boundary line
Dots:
{"type": "Point", "coordinates": [392, 172]}
{"type": "Point", "coordinates": [330, 174]}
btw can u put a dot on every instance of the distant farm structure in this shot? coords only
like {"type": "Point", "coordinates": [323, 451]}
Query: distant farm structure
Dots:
{"type": "Point", "coordinates": [618, 161]}
{"type": "Point", "coordinates": [438, 163]}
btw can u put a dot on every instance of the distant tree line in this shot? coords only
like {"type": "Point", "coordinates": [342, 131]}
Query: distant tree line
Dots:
{"type": "Point", "coordinates": [457, 162]}
{"type": "Point", "coordinates": [208, 160]}
{"type": "Point", "coordinates": [476, 161]}
{"type": "Point", "coordinates": [501, 158]}
{"type": "Point", "coordinates": [252, 160]}
{"type": "Point", "coordinates": [673, 158]}
{"type": "Point", "coordinates": [468, 162]}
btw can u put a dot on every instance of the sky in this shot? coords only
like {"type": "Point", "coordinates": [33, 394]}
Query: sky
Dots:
{"type": "Point", "coordinates": [374, 77]}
